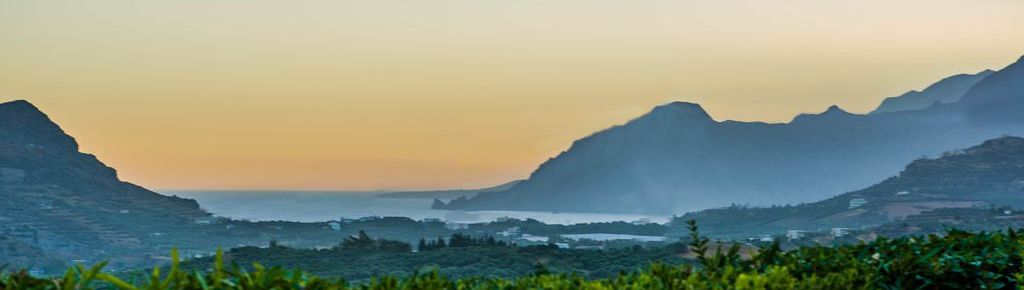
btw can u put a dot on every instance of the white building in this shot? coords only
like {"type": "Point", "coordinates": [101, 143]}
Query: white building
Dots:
{"type": "Point", "coordinates": [858, 202]}
{"type": "Point", "coordinates": [562, 245]}
{"type": "Point", "coordinates": [510, 232]}
{"type": "Point", "coordinates": [767, 238]}
{"type": "Point", "coordinates": [840, 232]}
{"type": "Point", "coordinates": [335, 226]}
{"type": "Point", "coordinates": [456, 226]}
{"type": "Point", "coordinates": [642, 221]}
{"type": "Point", "coordinates": [794, 234]}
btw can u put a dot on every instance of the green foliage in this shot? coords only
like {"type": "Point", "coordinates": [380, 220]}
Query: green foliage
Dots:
{"type": "Point", "coordinates": [957, 259]}
{"type": "Point", "coordinates": [363, 242]}
{"type": "Point", "coordinates": [481, 259]}
{"type": "Point", "coordinates": [460, 240]}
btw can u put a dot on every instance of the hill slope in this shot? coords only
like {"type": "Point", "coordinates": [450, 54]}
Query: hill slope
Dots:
{"type": "Point", "coordinates": [677, 158]}
{"type": "Point", "coordinates": [67, 205]}
{"type": "Point", "coordinates": [948, 90]}
{"type": "Point", "coordinates": [989, 175]}
{"type": "Point", "coordinates": [70, 200]}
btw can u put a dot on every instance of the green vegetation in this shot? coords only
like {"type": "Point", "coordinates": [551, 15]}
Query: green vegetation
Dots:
{"type": "Point", "coordinates": [957, 259]}
{"type": "Point", "coordinates": [360, 258]}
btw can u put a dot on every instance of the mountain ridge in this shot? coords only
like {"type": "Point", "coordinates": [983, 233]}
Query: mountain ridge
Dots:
{"type": "Point", "coordinates": [67, 205]}
{"type": "Point", "coordinates": [947, 90]}
{"type": "Point", "coordinates": [658, 163]}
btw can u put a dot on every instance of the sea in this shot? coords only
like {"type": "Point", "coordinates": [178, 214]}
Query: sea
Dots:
{"type": "Point", "coordinates": [320, 206]}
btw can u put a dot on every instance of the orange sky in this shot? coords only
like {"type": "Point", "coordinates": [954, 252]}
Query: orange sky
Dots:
{"type": "Point", "coordinates": [437, 94]}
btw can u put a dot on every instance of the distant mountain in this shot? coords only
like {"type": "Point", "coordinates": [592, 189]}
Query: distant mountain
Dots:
{"type": "Point", "coordinates": [948, 90]}
{"type": "Point", "coordinates": [446, 194]}
{"type": "Point", "coordinates": [990, 175]}
{"type": "Point", "coordinates": [997, 99]}
{"type": "Point", "coordinates": [677, 158]}
{"type": "Point", "coordinates": [58, 205]}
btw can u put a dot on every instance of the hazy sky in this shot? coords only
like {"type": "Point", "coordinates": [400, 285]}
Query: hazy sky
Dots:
{"type": "Point", "coordinates": [435, 94]}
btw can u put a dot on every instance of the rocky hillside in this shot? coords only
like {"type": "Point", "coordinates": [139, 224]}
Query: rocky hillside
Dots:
{"type": "Point", "coordinates": [59, 204]}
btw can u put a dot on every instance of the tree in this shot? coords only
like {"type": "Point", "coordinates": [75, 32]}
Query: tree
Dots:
{"type": "Point", "coordinates": [360, 241]}
{"type": "Point", "coordinates": [422, 245]}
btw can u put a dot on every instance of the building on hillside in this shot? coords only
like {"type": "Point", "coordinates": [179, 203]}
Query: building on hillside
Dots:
{"type": "Point", "coordinates": [512, 232]}
{"type": "Point", "coordinates": [456, 226]}
{"type": "Point", "coordinates": [767, 238]}
{"type": "Point", "coordinates": [562, 245]}
{"type": "Point", "coordinates": [641, 222]}
{"type": "Point", "coordinates": [840, 232]}
{"type": "Point", "coordinates": [335, 226]}
{"type": "Point", "coordinates": [858, 202]}
{"type": "Point", "coordinates": [206, 220]}
{"type": "Point", "coordinates": [794, 234]}
{"type": "Point", "coordinates": [503, 219]}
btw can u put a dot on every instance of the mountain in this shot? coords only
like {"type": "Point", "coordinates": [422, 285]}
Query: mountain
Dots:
{"type": "Point", "coordinates": [948, 90]}
{"type": "Point", "coordinates": [998, 98]}
{"type": "Point", "coordinates": [58, 204]}
{"type": "Point", "coordinates": [980, 178]}
{"type": "Point", "coordinates": [69, 199]}
{"type": "Point", "coordinates": [446, 194]}
{"type": "Point", "coordinates": [677, 158]}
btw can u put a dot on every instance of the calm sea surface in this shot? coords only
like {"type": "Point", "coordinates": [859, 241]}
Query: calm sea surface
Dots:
{"type": "Point", "coordinates": [316, 206]}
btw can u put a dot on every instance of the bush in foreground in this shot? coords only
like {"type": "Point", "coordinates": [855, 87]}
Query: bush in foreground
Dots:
{"type": "Point", "coordinates": [956, 260]}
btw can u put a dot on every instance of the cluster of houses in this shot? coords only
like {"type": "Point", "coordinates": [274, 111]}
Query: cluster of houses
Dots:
{"type": "Point", "coordinates": [797, 235]}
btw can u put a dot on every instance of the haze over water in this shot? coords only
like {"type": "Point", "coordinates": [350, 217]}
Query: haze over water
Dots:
{"type": "Point", "coordinates": [319, 206]}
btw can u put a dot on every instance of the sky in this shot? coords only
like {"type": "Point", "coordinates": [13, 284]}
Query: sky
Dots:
{"type": "Point", "coordinates": [383, 94]}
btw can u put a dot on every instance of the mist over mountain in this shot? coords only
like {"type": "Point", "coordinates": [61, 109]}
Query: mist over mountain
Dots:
{"type": "Point", "coordinates": [677, 158]}
{"type": "Point", "coordinates": [947, 90]}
